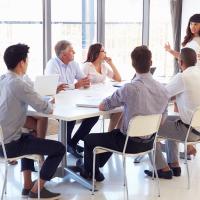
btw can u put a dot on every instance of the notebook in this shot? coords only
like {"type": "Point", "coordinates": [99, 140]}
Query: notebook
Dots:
{"type": "Point", "coordinates": [46, 85]}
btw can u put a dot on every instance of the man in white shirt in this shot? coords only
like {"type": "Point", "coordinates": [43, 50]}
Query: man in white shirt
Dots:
{"type": "Point", "coordinates": [69, 71]}
{"type": "Point", "coordinates": [185, 88]}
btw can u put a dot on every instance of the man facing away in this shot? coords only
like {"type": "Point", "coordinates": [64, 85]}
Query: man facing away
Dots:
{"type": "Point", "coordinates": [15, 96]}
{"type": "Point", "coordinates": [185, 88]}
{"type": "Point", "coordinates": [69, 71]}
{"type": "Point", "coordinates": [143, 96]}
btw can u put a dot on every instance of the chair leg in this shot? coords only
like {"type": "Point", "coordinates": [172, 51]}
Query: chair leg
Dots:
{"type": "Point", "coordinates": [155, 170]}
{"type": "Point", "coordinates": [93, 171]}
{"type": "Point", "coordinates": [125, 177]}
{"type": "Point", "coordinates": [186, 162]}
{"type": "Point", "coordinates": [5, 180]}
{"type": "Point", "coordinates": [38, 179]}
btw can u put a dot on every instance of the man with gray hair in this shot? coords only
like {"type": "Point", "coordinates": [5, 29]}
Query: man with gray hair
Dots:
{"type": "Point", "coordinates": [68, 70]}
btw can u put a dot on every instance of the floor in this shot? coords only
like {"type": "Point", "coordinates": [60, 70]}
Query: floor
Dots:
{"type": "Point", "coordinates": [140, 186]}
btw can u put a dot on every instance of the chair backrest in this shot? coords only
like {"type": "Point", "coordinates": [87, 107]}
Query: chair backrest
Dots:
{"type": "Point", "coordinates": [195, 122]}
{"type": "Point", "coordinates": [140, 126]}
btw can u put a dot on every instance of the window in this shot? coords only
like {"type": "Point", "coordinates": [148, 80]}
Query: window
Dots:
{"type": "Point", "coordinates": [160, 33]}
{"type": "Point", "coordinates": [123, 32]}
{"type": "Point", "coordinates": [19, 23]}
{"type": "Point", "coordinates": [74, 21]}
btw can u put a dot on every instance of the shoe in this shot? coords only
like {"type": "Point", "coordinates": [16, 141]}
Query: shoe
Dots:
{"type": "Point", "coordinates": [88, 175]}
{"type": "Point", "coordinates": [79, 148]}
{"type": "Point", "coordinates": [161, 174]}
{"type": "Point", "coordinates": [176, 170]}
{"type": "Point", "coordinates": [25, 192]}
{"type": "Point", "coordinates": [44, 194]}
{"type": "Point", "coordinates": [73, 151]}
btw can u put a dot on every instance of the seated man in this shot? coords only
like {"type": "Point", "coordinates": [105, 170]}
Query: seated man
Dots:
{"type": "Point", "coordinates": [15, 96]}
{"type": "Point", "coordinates": [64, 65]}
{"type": "Point", "coordinates": [143, 96]}
{"type": "Point", "coordinates": [185, 88]}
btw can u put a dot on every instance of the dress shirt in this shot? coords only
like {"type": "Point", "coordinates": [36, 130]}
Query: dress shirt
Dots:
{"type": "Point", "coordinates": [67, 72]}
{"type": "Point", "coordinates": [143, 96]}
{"type": "Point", "coordinates": [185, 87]}
{"type": "Point", "coordinates": [96, 77]}
{"type": "Point", "coordinates": [15, 96]}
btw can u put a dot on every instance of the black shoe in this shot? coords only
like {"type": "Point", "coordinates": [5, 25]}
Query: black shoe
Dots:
{"type": "Point", "coordinates": [44, 194]}
{"type": "Point", "coordinates": [79, 148]}
{"type": "Point", "coordinates": [99, 176]}
{"type": "Point", "coordinates": [161, 174]}
{"type": "Point", "coordinates": [176, 170]}
{"type": "Point", "coordinates": [73, 151]}
{"type": "Point", "coordinates": [25, 192]}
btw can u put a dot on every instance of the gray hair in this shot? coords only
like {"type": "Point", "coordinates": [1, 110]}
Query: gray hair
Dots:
{"type": "Point", "coordinates": [61, 46]}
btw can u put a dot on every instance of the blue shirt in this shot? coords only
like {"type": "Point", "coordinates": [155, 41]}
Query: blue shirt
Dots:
{"type": "Point", "coordinates": [67, 72]}
{"type": "Point", "coordinates": [143, 96]}
{"type": "Point", "coordinates": [15, 96]}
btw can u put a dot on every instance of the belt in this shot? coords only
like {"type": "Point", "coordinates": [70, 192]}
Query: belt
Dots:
{"type": "Point", "coordinates": [192, 129]}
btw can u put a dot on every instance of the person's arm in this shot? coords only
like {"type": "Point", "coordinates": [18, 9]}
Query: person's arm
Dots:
{"type": "Point", "coordinates": [116, 75]}
{"type": "Point", "coordinates": [27, 95]}
{"type": "Point", "coordinates": [171, 51]}
{"type": "Point", "coordinates": [175, 86]}
{"type": "Point", "coordinates": [117, 99]}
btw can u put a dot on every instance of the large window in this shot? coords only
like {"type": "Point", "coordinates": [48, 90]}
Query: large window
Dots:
{"type": "Point", "coordinates": [123, 32]}
{"type": "Point", "coordinates": [74, 21]}
{"type": "Point", "coordinates": [160, 33]}
{"type": "Point", "coordinates": [21, 22]}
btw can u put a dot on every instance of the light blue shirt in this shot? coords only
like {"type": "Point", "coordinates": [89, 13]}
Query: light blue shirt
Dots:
{"type": "Point", "coordinates": [143, 96]}
{"type": "Point", "coordinates": [67, 72]}
{"type": "Point", "coordinates": [15, 96]}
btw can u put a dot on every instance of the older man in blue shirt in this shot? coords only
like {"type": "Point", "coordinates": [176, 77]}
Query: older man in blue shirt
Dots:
{"type": "Point", "coordinates": [143, 96]}
{"type": "Point", "coordinates": [69, 71]}
{"type": "Point", "coordinates": [15, 96]}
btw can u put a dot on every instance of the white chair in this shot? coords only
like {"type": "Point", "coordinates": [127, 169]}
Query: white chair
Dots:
{"type": "Point", "coordinates": [5, 160]}
{"type": "Point", "coordinates": [139, 126]}
{"type": "Point", "coordinates": [195, 123]}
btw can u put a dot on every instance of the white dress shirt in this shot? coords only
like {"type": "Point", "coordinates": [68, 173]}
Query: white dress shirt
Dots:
{"type": "Point", "coordinates": [185, 87]}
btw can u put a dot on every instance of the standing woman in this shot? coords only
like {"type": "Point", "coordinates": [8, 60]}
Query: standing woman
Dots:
{"type": "Point", "coordinates": [96, 68]}
{"type": "Point", "coordinates": [192, 38]}
{"type": "Point", "coordinates": [95, 65]}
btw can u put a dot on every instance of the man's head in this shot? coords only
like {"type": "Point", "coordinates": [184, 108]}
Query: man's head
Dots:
{"type": "Point", "coordinates": [64, 51]}
{"type": "Point", "coordinates": [15, 58]}
{"type": "Point", "coordinates": [187, 58]}
{"type": "Point", "coordinates": [141, 59]}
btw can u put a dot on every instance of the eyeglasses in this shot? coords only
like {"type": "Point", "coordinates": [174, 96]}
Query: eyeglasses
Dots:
{"type": "Point", "coordinates": [103, 51]}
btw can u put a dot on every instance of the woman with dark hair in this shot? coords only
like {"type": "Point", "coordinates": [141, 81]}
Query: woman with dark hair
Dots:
{"type": "Point", "coordinates": [192, 38]}
{"type": "Point", "coordinates": [95, 65]}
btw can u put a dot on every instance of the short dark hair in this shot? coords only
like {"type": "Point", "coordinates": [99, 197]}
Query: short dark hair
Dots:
{"type": "Point", "coordinates": [14, 54]}
{"type": "Point", "coordinates": [141, 59]}
{"type": "Point", "coordinates": [188, 56]}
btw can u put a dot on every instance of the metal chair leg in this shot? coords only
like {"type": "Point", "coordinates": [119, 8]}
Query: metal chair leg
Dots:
{"type": "Point", "coordinates": [93, 171]}
{"type": "Point", "coordinates": [156, 173]}
{"type": "Point", "coordinates": [186, 162]}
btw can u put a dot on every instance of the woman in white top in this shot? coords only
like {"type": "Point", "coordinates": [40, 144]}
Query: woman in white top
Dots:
{"type": "Point", "coordinates": [192, 38]}
{"type": "Point", "coordinates": [95, 65]}
{"type": "Point", "coordinates": [97, 70]}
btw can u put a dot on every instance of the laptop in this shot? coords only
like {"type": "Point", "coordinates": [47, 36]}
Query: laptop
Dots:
{"type": "Point", "coordinates": [46, 85]}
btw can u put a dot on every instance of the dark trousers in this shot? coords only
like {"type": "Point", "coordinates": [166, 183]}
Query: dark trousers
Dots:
{"type": "Point", "coordinates": [114, 140]}
{"type": "Point", "coordinates": [82, 131]}
{"type": "Point", "coordinates": [29, 144]}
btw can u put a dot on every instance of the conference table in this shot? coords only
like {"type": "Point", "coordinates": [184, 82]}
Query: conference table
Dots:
{"type": "Point", "coordinates": [66, 109]}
